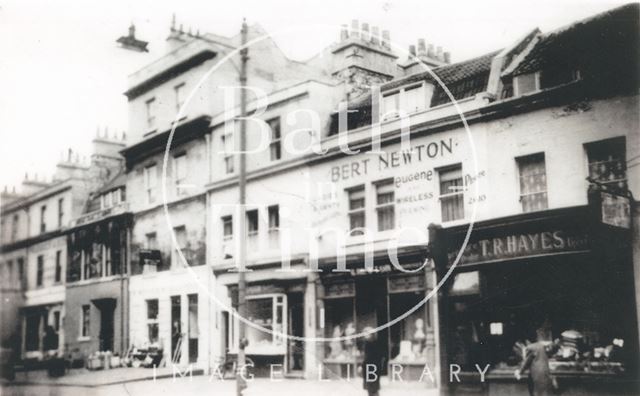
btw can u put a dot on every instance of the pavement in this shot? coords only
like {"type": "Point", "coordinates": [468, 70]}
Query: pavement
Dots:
{"type": "Point", "coordinates": [134, 382]}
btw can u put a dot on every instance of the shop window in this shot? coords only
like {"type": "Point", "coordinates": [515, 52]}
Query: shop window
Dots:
{"type": "Point", "coordinates": [60, 212]}
{"type": "Point", "coordinates": [85, 321]}
{"type": "Point", "coordinates": [180, 172]}
{"type": "Point", "coordinates": [152, 320]}
{"type": "Point", "coordinates": [227, 150]}
{"type": "Point", "coordinates": [151, 182]}
{"type": "Point", "coordinates": [409, 336]}
{"type": "Point", "coordinates": [275, 144]}
{"type": "Point", "coordinates": [32, 331]}
{"type": "Point", "coordinates": [533, 182]}
{"type": "Point", "coordinates": [451, 193]}
{"type": "Point", "coordinates": [465, 284]}
{"type": "Point", "coordinates": [356, 210]}
{"type": "Point", "coordinates": [40, 270]}
{"type": "Point", "coordinates": [269, 313]}
{"type": "Point", "coordinates": [385, 205]}
{"type": "Point", "coordinates": [338, 318]}
{"type": "Point", "coordinates": [43, 221]}
{"type": "Point", "coordinates": [58, 276]}
{"type": "Point", "coordinates": [607, 163]}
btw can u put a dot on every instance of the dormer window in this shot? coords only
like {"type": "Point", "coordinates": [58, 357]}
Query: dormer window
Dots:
{"type": "Point", "coordinates": [407, 100]}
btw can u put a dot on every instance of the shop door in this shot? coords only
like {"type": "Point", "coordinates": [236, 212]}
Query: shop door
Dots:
{"type": "Point", "coordinates": [107, 308]}
{"type": "Point", "coordinates": [371, 310]}
{"type": "Point", "coordinates": [295, 348]}
{"type": "Point", "coordinates": [176, 329]}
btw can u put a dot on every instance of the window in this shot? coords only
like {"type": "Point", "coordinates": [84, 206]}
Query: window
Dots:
{"type": "Point", "coordinates": [40, 271]}
{"type": "Point", "coordinates": [607, 163]}
{"type": "Point", "coordinates": [107, 201]}
{"type": "Point", "coordinates": [56, 320]}
{"type": "Point", "coordinates": [85, 321]}
{"type": "Point", "coordinates": [150, 182]}
{"type": "Point", "coordinates": [227, 228]}
{"type": "Point", "coordinates": [193, 329]}
{"type": "Point", "coordinates": [179, 91]}
{"type": "Point", "coordinates": [20, 268]}
{"type": "Point", "coordinates": [385, 205]}
{"type": "Point", "coordinates": [268, 312]}
{"type": "Point", "coordinates": [9, 274]}
{"type": "Point", "coordinates": [151, 119]}
{"type": "Point", "coordinates": [390, 105]}
{"type": "Point", "coordinates": [43, 214]}
{"type": "Point", "coordinates": [60, 212]}
{"type": "Point", "coordinates": [415, 99]}
{"type": "Point", "coordinates": [525, 83]}
{"type": "Point", "coordinates": [227, 148]}
{"type": "Point", "coordinates": [181, 239]}
{"type": "Point", "coordinates": [533, 182]}
{"type": "Point", "coordinates": [151, 240]}
{"type": "Point", "coordinates": [14, 227]}
{"type": "Point", "coordinates": [356, 211]}
{"type": "Point", "coordinates": [58, 266]}
{"type": "Point", "coordinates": [274, 217]}
{"type": "Point", "coordinates": [252, 222]}
{"type": "Point", "coordinates": [451, 193]}
{"type": "Point", "coordinates": [554, 76]}
{"type": "Point", "coordinates": [180, 169]}
{"type": "Point", "coordinates": [152, 320]}
{"type": "Point", "coordinates": [275, 148]}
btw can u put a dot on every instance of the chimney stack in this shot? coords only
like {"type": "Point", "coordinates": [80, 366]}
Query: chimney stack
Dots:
{"type": "Point", "coordinates": [412, 51]}
{"type": "Point", "coordinates": [447, 57]}
{"type": "Point", "coordinates": [375, 35]}
{"type": "Point", "coordinates": [344, 33]}
{"type": "Point", "coordinates": [422, 47]}
{"type": "Point", "coordinates": [355, 28]}
{"type": "Point", "coordinates": [386, 39]}
{"type": "Point", "coordinates": [365, 31]}
{"type": "Point", "coordinates": [439, 53]}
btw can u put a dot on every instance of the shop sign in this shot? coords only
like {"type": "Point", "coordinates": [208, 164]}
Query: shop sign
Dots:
{"type": "Point", "coordinates": [616, 210]}
{"type": "Point", "coordinates": [521, 245]}
{"type": "Point", "coordinates": [403, 284]}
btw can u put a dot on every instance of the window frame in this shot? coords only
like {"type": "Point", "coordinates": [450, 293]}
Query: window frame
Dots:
{"type": "Point", "coordinates": [358, 211]}
{"type": "Point", "coordinates": [228, 157]}
{"type": "Point", "coordinates": [40, 270]}
{"type": "Point", "coordinates": [150, 182]}
{"type": "Point", "coordinates": [152, 321]}
{"type": "Point", "coordinates": [451, 196]}
{"type": "Point", "coordinates": [58, 270]}
{"type": "Point", "coordinates": [43, 220]}
{"type": "Point", "coordinates": [151, 117]}
{"type": "Point", "coordinates": [227, 220]}
{"type": "Point", "coordinates": [253, 222]}
{"type": "Point", "coordinates": [379, 207]}
{"type": "Point", "coordinates": [177, 90]}
{"type": "Point", "coordinates": [529, 159]}
{"type": "Point", "coordinates": [275, 138]}
{"type": "Point", "coordinates": [180, 179]}
{"type": "Point", "coordinates": [85, 322]}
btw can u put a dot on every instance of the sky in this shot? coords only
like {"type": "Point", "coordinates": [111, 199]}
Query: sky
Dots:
{"type": "Point", "coordinates": [62, 76]}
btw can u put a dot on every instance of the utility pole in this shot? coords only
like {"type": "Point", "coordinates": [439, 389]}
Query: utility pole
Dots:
{"type": "Point", "coordinates": [242, 183]}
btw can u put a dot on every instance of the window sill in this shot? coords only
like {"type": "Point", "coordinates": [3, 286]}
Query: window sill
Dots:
{"type": "Point", "coordinates": [83, 339]}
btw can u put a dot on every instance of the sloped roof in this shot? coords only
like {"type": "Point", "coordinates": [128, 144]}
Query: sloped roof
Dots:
{"type": "Point", "coordinates": [605, 38]}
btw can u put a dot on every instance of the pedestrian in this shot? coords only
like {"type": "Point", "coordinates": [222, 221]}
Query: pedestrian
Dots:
{"type": "Point", "coordinates": [536, 359]}
{"type": "Point", "coordinates": [372, 363]}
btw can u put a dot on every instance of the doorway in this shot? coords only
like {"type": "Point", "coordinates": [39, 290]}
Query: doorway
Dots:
{"type": "Point", "coordinates": [295, 348]}
{"type": "Point", "coordinates": [106, 307]}
{"type": "Point", "coordinates": [176, 329]}
{"type": "Point", "coordinates": [371, 310]}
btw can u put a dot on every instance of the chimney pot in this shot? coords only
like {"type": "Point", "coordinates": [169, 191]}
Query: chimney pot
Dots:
{"type": "Point", "coordinates": [355, 28]}
{"type": "Point", "coordinates": [412, 51]}
{"type": "Point", "coordinates": [375, 35]}
{"type": "Point", "coordinates": [365, 31]}
{"type": "Point", "coordinates": [422, 46]}
{"type": "Point", "coordinates": [344, 32]}
{"type": "Point", "coordinates": [386, 38]}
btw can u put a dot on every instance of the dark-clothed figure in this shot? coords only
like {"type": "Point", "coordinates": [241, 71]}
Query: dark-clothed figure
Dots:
{"type": "Point", "coordinates": [372, 363]}
{"type": "Point", "coordinates": [537, 361]}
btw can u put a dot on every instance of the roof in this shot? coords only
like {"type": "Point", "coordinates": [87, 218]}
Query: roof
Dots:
{"type": "Point", "coordinates": [602, 39]}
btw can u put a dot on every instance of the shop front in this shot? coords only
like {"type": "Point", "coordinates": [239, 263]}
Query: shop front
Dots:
{"type": "Point", "coordinates": [561, 277]}
{"type": "Point", "coordinates": [276, 308]}
{"type": "Point", "coordinates": [357, 299]}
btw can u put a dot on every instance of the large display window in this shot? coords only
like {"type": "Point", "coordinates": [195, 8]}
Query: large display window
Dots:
{"type": "Point", "coordinates": [269, 312]}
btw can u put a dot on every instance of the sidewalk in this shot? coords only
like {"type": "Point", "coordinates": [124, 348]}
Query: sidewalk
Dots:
{"type": "Point", "coordinates": [91, 378]}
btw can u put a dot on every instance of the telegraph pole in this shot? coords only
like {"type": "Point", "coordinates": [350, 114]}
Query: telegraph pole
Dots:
{"type": "Point", "coordinates": [242, 182]}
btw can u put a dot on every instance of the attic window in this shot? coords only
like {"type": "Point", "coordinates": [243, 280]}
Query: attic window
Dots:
{"type": "Point", "coordinates": [407, 100]}
{"type": "Point", "coordinates": [525, 83]}
{"type": "Point", "coordinates": [553, 77]}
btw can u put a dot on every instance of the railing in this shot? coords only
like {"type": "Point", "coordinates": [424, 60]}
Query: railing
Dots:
{"type": "Point", "coordinates": [96, 215]}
